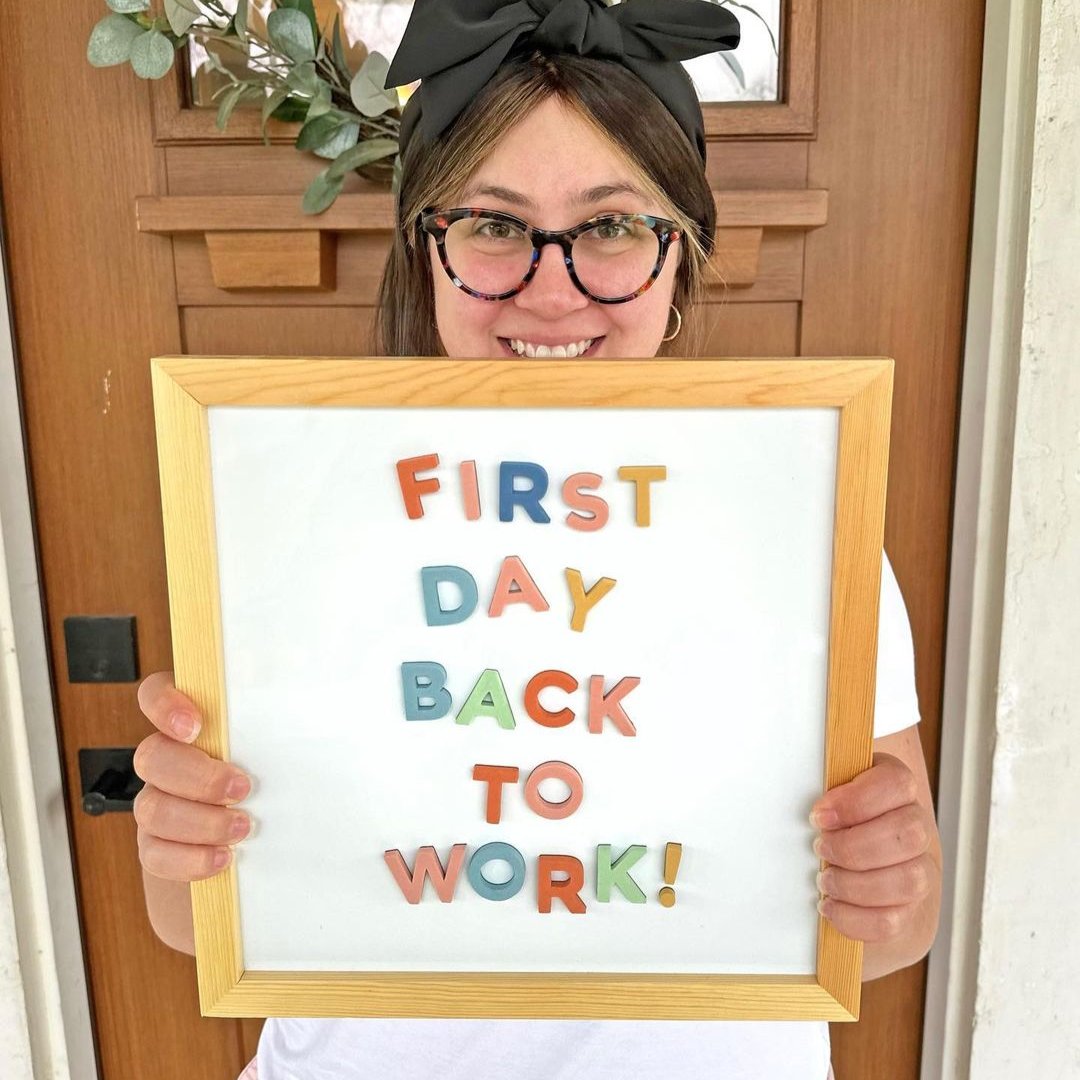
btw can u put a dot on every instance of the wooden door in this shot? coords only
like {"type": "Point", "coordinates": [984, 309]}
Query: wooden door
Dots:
{"type": "Point", "coordinates": [846, 212]}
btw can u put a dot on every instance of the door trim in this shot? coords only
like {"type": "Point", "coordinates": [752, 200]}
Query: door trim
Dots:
{"type": "Point", "coordinates": [984, 468]}
{"type": "Point", "coordinates": [48, 999]}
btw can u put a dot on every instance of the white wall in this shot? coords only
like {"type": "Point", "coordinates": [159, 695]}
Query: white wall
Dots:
{"type": "Point", "coordinates": [1028, 1000]}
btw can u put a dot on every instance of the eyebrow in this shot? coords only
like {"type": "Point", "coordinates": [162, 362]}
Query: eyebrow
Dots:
{"type": "Point", "coordinates": [581, 198]}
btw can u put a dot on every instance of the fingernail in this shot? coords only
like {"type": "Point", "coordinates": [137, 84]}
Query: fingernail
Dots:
{"type": "Point", "coordinates": [818, 881]}
{"type": "Point", "coordinates": [818, 847]}
{"type": "Point", "coordinates": [824, 819]}
{"type": "Point", "coordinates": [221, 857]}
{"type": "Point", "coordinates": [183, 724]}
{"type": "Point", "coordinates": [240, 826]}
{"type": "Point", "coordinates": [239, 787]}
{"type": "Point", "coordinates": [821, 905]}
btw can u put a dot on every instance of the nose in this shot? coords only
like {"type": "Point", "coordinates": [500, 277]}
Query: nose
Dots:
{"type": "Point", "coordinates": [551, 292]}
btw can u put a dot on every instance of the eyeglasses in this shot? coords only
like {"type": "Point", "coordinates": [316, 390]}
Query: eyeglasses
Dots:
{"type": "Point", "coordinates": [612, 258]}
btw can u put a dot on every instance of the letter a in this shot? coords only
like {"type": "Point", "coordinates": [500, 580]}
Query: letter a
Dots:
{"type": "Point", "coordinates": [488, 698]}
{"type": "Point", "coordinates": [513, 573]}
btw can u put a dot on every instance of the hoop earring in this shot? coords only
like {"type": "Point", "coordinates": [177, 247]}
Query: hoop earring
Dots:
{"type": "Point", "coordinates": [678, 325]}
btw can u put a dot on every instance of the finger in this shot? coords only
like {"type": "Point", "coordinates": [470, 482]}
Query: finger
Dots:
{"type": "Point", "coordinates": [188, 772]}
{"type": "Point", "coordinates": [166, 708]}
{"type": "Point", "coordinates": [867, 923]}
{"type": "Point", "coordinates": [181, 862]}
{"type": "Point", "coordinates": [906, 883]}
{"type": "Point", "coordinates": [892, 838]}
{"type": "Point", "coordinates": [170, 818]}
{"type": "Point", "coordinates": [887, 785]}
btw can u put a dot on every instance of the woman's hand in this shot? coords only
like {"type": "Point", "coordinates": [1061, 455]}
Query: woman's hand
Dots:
{"type": "Point", "coordinates": [184, 822]}
{"type": "Point", "coordinates": [879, 837]}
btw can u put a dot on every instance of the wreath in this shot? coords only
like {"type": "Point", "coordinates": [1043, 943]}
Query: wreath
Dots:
{"type": "Point", "coordinates": [298, 73]}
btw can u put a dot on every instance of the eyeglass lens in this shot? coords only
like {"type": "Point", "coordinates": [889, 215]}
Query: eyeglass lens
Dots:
{"type": "Point", "coordinates": [612, 260]}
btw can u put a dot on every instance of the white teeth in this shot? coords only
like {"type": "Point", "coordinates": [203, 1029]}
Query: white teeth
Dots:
{"type": "Point", "coordinates": [526, 348]}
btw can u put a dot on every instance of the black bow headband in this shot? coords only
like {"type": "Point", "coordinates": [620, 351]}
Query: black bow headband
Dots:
{"type": "Point", "coordinates": [456, 46]}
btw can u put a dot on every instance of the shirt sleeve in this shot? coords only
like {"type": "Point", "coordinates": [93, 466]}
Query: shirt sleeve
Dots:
{"type": "Point", "coordinates": [896, 704]}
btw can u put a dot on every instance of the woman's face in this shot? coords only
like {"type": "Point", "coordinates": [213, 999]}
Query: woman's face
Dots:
{"type": "Point", "coordinates": [548, 159]}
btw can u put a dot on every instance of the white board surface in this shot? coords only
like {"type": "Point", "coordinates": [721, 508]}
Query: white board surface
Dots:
{"type": "Point", "coordinates": [721, 608]}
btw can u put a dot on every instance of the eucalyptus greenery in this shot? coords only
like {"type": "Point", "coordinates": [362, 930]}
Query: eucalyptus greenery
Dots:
{"type": "Point", "coordinates": [297, 75]}
{"type": "Point", "coordinates": [297, 72]}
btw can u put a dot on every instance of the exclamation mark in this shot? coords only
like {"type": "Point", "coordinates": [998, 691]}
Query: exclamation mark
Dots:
{"type": "Point", "coordinates": [672, 855]}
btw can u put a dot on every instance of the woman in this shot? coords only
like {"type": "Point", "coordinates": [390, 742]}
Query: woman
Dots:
{"type": "Point", "coordinates": [558, 133]}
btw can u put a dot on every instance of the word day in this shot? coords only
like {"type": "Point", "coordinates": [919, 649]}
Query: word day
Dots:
{"type": "Point", "coordinates": [515, 585]}
{"type": "Point", "coordinates": [588, 512]}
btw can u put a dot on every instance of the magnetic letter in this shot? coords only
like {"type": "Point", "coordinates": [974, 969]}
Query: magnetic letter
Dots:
{"type": "Point", "coordinates": [501, 890]}
{"type": "Point", "coordinates": [513, 573]}
{"type": "Point", "coordinates": [584, 601]}
{"type": "Point", "coordinates": [532, 698]}
{"type": "Point", "coordinates": [434, 612]}
{"type": "Point", "coordinates": [496, 776]}
{"type": "Point", "coordinates": [412, 487]}
{"type": "Point", "coordinates": [617, 873]}
{"type": "Point", "coordinates": [642, 476]}
{"type": "Point", "coordinates": [564, 889]}
{"type": "Point", "coordinates": [427, 865]}
{"type": "Point", "coordinates": [529, 498]}
{"type": "Point", "coordinates": [601, 705]}
{"type": "Point", "coordinates": [425, 681]}
{"type": "Point", "coordinates": [470, 491]}
{"type": "Point", "coordinates": [572, 496]}
{"type": "Point", "coordinates": [557, 770]}
{"type": "Point", "coordinates": [488, 698]}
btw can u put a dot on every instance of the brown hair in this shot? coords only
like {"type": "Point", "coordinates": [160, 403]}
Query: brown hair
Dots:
{"type": "Point", "coordinates": [621, 109]}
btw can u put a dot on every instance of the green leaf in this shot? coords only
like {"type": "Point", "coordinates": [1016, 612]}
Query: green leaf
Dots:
{"type": "Point", "coordinates": [395, 184]}
{"type": "Point", "coordinates": [362, 154]}
{"type": "Point", "coordinates": [291, 111]}
{"type": "Point", "coordinates": [736, 68]}
{"type": "Point", "coordinates": [272, 101]}
{"type": "Point", "coordinates": [180, 15]}
{"type": "Point", "coordinates": [240, 20]}
{"type": "Point", "coordinates": [125, 7]}
{"type": "Point", "coordinates": [341, 140]}
{"type": "Point", "coordinates": [321, 101]}
{"type": "Point", "coordinates": [110, 40]}
{"type": "Point", "coordinates": [367, 89]}
{"type": "Point", "coordinates": [341, 61]}
{"type": "Point", "coordinates": [321, 193]}
{"type": "Point", "coordinates": [307, 9]}
{"type": "Point", "coordinates": [232, 97]}
{"type": "Point", "coordinates": [152, 55]}
{"type": "Point", "coordinates": [317, 131]}
{"type": "Point", "coordinates": [290, 33]}
{"type": "Point", "coordinates": [303, 78]}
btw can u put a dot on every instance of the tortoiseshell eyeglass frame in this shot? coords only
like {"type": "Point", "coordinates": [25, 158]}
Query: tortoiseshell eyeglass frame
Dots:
{"type": "Point", "coordinates": [436, 222]}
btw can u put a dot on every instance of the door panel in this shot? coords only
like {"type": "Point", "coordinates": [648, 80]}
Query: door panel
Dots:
{"type": "Point", "coordinates": [882, 273]}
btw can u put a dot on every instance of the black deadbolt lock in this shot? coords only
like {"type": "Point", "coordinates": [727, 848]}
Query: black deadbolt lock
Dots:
{"type": "Point", "coordinates": [108, 779]}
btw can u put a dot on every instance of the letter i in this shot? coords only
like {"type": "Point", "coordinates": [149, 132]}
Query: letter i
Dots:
{"type": "Point", "coordinates": [470, 491]}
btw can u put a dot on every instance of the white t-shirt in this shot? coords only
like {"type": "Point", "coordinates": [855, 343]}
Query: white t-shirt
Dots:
{"type": "Point", "coordinates": [410, 1049]}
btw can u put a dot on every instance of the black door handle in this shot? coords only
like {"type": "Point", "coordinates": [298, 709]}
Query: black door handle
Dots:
{"type": "Point", "coordinates": [108, 779]}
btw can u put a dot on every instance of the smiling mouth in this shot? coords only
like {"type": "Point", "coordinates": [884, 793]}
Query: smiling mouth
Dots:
{"type": "Point", "coordinates": [590, 351]}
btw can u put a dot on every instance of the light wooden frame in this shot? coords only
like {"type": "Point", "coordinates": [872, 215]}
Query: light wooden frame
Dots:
{"type": "Point", "coordinates": [861, 388]}
{"type": "Point", "coordinates": [793, 115]}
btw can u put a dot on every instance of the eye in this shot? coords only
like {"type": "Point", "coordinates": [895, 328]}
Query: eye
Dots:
{"type": "Point", "coordinates": [613, 230]}
{"type": "Point", "coordinates": [496, 230]}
